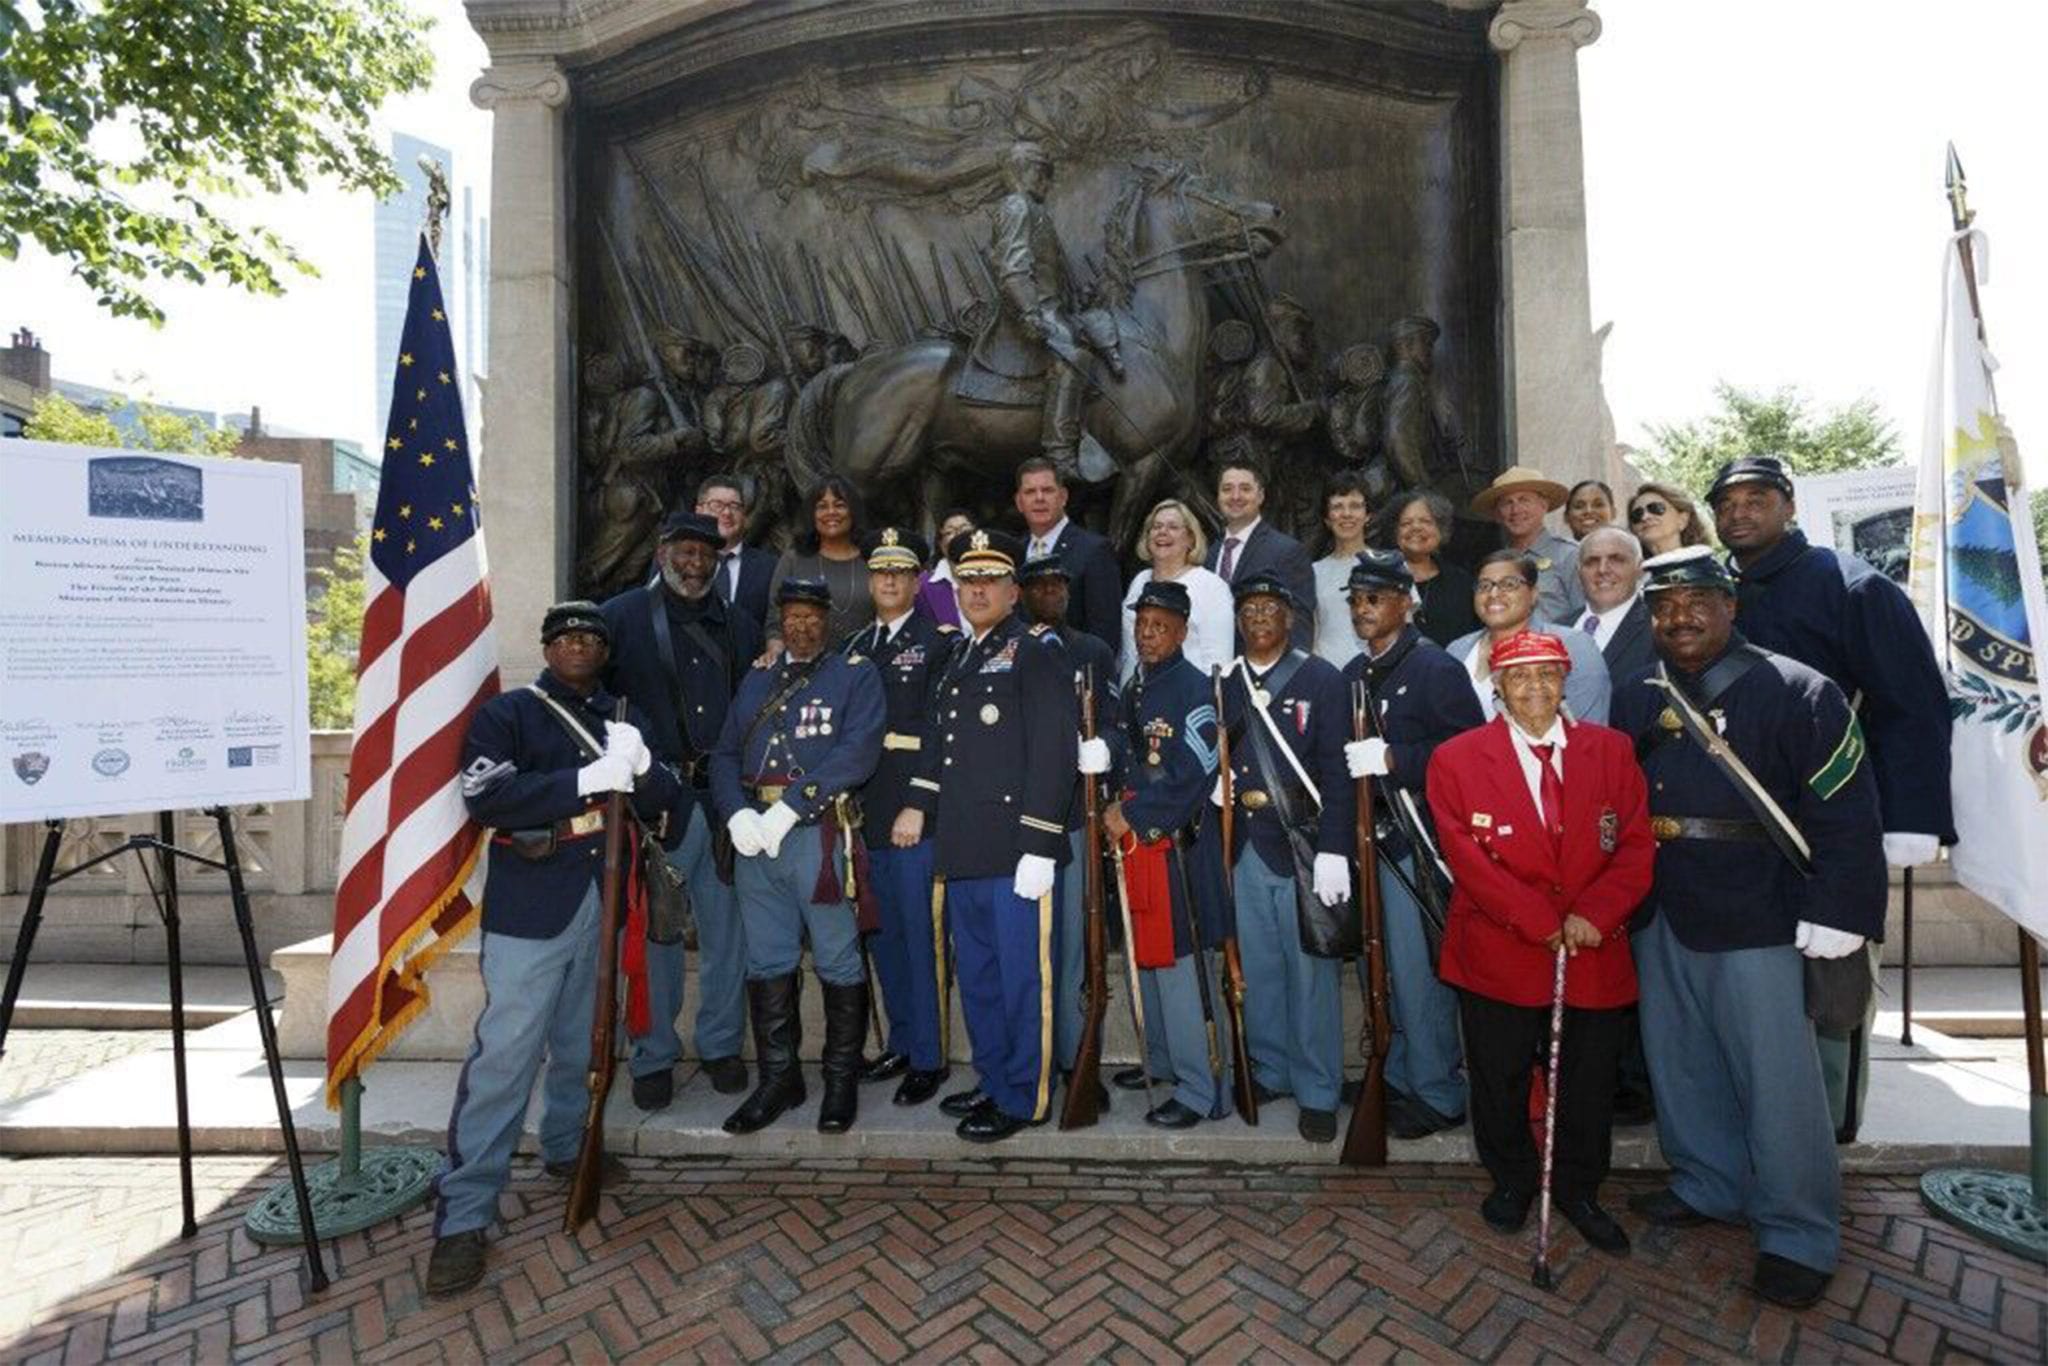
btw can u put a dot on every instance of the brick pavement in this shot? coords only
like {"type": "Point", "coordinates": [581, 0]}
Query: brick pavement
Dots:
{"type": "Point", "coordinates": [724, 1259]}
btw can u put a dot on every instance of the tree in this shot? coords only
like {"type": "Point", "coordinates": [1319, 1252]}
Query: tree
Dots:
{"type": "Point", "coordinates": [334, 630]}
{"type": "Point", "coordinates": [57, 418]}
{"type": "Point", "coordinates": [127, 123]}
{"type": "Point", "coordinates": [1752, 422]}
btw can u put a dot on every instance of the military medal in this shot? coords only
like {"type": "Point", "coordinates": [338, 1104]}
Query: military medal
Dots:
{"type": "Point", "coordinates": [1610, 831]}
{"type": "Point", "coordinates": [990, 714]}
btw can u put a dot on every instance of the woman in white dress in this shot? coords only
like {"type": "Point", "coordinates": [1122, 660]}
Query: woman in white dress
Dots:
{"type": "Point", "coordinates": [1174, 544]}
{"type": "Point", "coordinates": [1339, 544]}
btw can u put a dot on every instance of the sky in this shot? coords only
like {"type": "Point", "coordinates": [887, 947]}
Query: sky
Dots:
{"type": "Point", "coordinates": [1763, 197]}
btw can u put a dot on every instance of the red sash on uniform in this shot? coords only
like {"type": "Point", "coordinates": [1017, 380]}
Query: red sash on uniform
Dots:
{"type": "Point", "coordinates": [867, 912]}
{"type": "Point", "coordinates": [1148, 884]}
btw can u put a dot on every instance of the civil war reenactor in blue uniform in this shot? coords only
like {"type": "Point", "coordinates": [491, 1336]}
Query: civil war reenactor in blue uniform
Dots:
{"type": "Point", "coordinates": [801, 737]}
{"type": "Point", "coordinates": [908, 648]}
{"type": "Point", "coordinates": [1288, 718]}
{"type": "Point", "coordinates": [538, 764]}
{"type": "Point", "coordinates": [1769, 874]}
{"type": "Point", "coordinates": [1169, 767]}
{"type": "Point", "coordinates": [1836, 614]}
{"type": "Point", "coordinates": [678, 650]}
{"type": "Point", "coordinates": [1044, 583]}
{"type": "Point", "coordinates": [1002, 774]}
{"type": "Point", "coordinates": [1420, 697]}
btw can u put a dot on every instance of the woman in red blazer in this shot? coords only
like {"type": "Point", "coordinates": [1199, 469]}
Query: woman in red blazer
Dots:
{"type": "Point", "coordinates": [1545, 824]}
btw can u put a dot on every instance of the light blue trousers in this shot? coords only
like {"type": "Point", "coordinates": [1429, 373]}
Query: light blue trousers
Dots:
{"type": "Point", "coordinates": [775, 901]}
{"type": "Point", "coordinates": [538, 997]}
{"type": "Point", "coordinates": [1424, 1058]}
{"type": "Point", "coordinates": [1742, 1114]}
{"type": "Point", "coordinates": [1177, 1035]}
{"type": "Point", "coordinates": [1293, 1019]}
{"type": "Point", "coordinates": [721, 964]}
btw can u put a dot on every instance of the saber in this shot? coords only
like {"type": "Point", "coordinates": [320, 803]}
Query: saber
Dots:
{"type": "Point", "coordinates": [1123, 902]}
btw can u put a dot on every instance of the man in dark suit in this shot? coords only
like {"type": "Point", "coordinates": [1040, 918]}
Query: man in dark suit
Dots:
{"type": "Point", "coordinates": [1095, 586]}
{"type": "Point", "coordinates": [1249, 546]}
{"type": "Point", "coordinates": [1610, 572]}
{"type": "Point", "coordinates": [744, 571]}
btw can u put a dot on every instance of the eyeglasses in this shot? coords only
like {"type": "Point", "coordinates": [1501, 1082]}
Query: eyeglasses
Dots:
{"type": "Point", "coordinates": [1259, 609]}
{"type": "Point", "coordinates": [1648, 508]}
{"type": "Point", "coordinates": [719, 505]}
{"type": "Point", "coordinates": [1487, 588]}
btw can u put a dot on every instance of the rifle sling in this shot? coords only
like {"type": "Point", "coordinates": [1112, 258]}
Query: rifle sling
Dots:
{"type": "Point", "coordinates": [664, 643]}
{"type": "Point", "coordinates": [1779, 826]}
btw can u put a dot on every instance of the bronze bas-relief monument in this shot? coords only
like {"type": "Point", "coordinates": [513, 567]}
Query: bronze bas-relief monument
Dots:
{"type": "Point", "coordinates": [919, 245]}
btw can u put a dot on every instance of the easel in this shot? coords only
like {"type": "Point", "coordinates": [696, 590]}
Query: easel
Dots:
{"type": "Point", "coordinates": [164, 845]}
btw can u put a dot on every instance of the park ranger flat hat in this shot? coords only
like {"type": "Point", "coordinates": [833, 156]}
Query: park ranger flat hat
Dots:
{"type": "Point", "coordinates": [579, 615]}
{"type": "Point", "coordinates": [685, 525]}
{"type": "Point", "coordinates": [1380, 569]}
{"type": "Point", "coordinates": [816, 592]}
{"type": "Point", "coordinates": [893, 550]}
{"type": "Point", "coordinates": [983, 554]}
{"type": "Point", "coordinates": [1692, 566]}
{"type": "Point", "coordinates": [1515, 479]}
{"type": "Point", "coordinates": [1750, 469]}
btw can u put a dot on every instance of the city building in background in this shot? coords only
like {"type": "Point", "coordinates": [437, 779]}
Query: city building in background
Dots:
{"type": "Point", "coordinates": [465, 266]}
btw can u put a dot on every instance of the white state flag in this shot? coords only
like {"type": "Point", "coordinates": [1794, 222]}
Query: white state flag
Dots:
{"type": "Point", "coordinates": [1976, 581]}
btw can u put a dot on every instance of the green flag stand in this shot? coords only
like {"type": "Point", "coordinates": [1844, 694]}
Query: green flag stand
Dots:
{"type": "Point", "coordinates": [355, 1190]}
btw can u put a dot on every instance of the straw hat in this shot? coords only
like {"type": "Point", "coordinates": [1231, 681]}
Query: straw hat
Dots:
{"type": "Point", "coordinates": [1514, 479]}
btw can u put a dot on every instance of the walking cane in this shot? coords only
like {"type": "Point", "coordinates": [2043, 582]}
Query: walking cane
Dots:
{"type": "Point", "coordinates": [1539, 1275]}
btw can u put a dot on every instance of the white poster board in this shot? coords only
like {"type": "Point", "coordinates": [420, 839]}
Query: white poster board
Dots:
{"type": "Point", "coordinates": [152, 632]}
{"type": "Point", "coordinates": [1865, 513]}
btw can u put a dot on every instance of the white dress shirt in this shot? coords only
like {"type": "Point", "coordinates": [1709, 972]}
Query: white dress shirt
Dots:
{"type": "Point", "coordinates": [1212, 623]}
{"type": "Point", "coordinates": [1040, 546]}
{"type": "Point", "coordinates": [1532, 774]}
{"type": "Point", "coordinates": [1608, 622]}
{"type": "Point", "coordinates": [1242, 536]}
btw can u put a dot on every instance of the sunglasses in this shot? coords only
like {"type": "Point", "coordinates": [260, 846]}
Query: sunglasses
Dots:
{"type": "Point", "coordinates": [1644, 511]}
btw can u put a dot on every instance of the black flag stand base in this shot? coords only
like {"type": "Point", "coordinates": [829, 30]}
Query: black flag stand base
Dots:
{"type": "Point", "coordinates": [163, 844]}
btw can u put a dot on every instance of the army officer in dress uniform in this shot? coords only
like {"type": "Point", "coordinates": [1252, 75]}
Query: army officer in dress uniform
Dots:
{"type": "Point", "coordinates": [803, 733]}
{"type": "Point", "coordinates": [1746, 891]}
{"type": "Point", "coordinates": [1288, 722]}
{"type": "Point", "coordinates": [908, 648]}
{"type": "Point", "coordinates": [538, 763]}
{"type": "Point", "coordinates": [1002, 774]}
{"type": "Point", "coordinates": [678, 650]}
{"type": "Point", "coordinates": [1170, 765]}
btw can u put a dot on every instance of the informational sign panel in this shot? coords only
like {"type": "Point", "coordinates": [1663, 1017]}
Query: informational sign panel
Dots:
{"type": "Point", "coordinates": [152, 632]}
{"type": "Point", "coordinates": [1865, 513]}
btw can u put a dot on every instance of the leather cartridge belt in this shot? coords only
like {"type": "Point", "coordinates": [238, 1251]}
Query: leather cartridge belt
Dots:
{"type": "Point", "coordinates": [1667, 828]}
{"type": "Point", "coordinates": [575, 827]}
{"type": "Point", "coordinates": [898, 740]}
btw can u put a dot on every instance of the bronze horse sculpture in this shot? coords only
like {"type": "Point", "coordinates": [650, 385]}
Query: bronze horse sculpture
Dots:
{"type": "Point", "coordinates": [892, 422]}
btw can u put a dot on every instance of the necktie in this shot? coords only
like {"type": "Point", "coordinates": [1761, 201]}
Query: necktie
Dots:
{"type": "Point", "coordinates": [726, 559]}
{"type": "Point", "coordinates": [1553, 792]}
{"type": "Point", "coordinates": [881, 634]}
{"type": "Point", "coordinates": [1037, 548]}
{"type": "Point", "coordinates": [1591, 625]}
{"type": "Point", "coordinates": [1229, 565]}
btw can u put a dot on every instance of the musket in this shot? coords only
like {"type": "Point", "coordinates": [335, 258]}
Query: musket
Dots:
{"type": "Point", "coordinates": [647, 354]}
{"type": "Point", "coordinates": [1203, 989]}
{"type": "Point", "coordinates": [1083, 1105]}
{"type": "Point", "coordinates": [1123, 902]}
{"type": "Point", "coordinates": [585, 1186]}
{"type": "Point", "coordinates": [1233, 964]}
{"type": "Point", "coordinates": [1962, 216]}
{"type": "Point", "coordinates": [1365, 1140]}
{"type": "Point", "coordinates": [699, 269]}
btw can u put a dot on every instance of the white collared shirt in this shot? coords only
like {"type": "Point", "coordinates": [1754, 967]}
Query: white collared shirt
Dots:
{"type": "Point", "coordinates": [1609, 621]}
{"type": "Point", "coordinates": [1042, 545]}
{"type": "Point", "coordinates": [1531, 773]}
{"type": "Point", "coordinates": [1243, 537]}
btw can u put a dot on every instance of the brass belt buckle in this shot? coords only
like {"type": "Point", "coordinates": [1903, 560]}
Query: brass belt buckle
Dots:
{"type": "Point", "coordinates": [586, 823]}
{"type": "Point", "coordinates": [770, 793]}
{"type": "Point", "coordinates": [1665, 827]}
{"type": "Point", "coordinates": [1254, 799]}
{"type": "Point", "coordinates": [897, 740]}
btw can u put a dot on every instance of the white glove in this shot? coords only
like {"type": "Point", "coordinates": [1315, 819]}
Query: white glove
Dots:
{"type": "Point", "coordinates": [1367, 758]}
{"type": "Point", "coordinates": [1216, 792]}
{"type": "Point", "coordinates": [1095, 756]}
{"type": "Point", "coordinates": [1034, 876]}
{"type": "Point", "coordinates": [1333, 879]}
{"type": "Point", "coordinates": [606, 773]}
{"type": "Point", "coordinates": [1903, 850]}
{"type": "Point", "coordinates": [776, 822]}
{"type": "Point", "coordinates": [622, 737]}
{"type": "Point", "coordinates": [745, 829]}
{"type": "Point", "coordinates": [1822, 941]}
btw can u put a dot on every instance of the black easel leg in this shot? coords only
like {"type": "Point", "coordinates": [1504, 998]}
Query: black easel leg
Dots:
{"type": "Point", "coordinates": [174, 957]}
{"type": "Point", "coordinates": [31, 921]}
{"type": "Point", "coordinates": [267, 1027]}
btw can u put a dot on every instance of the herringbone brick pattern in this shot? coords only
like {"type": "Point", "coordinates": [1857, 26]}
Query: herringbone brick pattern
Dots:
{"type": "Point", "coordinates": [729, 1259]}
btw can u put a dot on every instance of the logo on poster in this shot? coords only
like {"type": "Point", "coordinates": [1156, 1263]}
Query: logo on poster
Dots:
{"type": "Point", "coordinates": [186, 760]}
{"type": "Point", "coordinates": [110, 763]}
{"type": "Point", "coordinates": [31, 765]}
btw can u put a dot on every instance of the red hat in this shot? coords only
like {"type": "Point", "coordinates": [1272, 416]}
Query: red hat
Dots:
{"type": "Point", "coordinates": [1529, 647]}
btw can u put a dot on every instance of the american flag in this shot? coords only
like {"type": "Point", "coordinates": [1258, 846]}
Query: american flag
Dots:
{"type": "Point", "coordinates": [410, 877]}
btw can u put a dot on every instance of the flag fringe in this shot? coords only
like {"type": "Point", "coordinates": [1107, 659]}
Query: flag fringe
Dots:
{"type": "Point", "coordinates": [375, 1037]}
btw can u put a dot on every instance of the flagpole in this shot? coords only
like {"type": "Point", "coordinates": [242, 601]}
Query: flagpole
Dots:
{"type": "Point", "coordinates": [2002, 1208]}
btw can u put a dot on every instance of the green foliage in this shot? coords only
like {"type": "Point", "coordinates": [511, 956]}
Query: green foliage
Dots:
{"type": "Point", "coordinates": [126, 124]}
{"type": "Point", "coordinates": [334, 630]}
{"type": "Point", "coordinates": [1752, 422]}
{"type": "Point", "coordinates": [57, 418]}
{"type": "Point", "coordinates": [1994, 571]}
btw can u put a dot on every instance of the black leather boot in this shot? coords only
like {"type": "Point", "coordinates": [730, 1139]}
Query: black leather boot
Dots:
{"type": "Point", "coordinates": [846, 1029]}
{"type": "Point", "coordinates": [778, 1033]}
